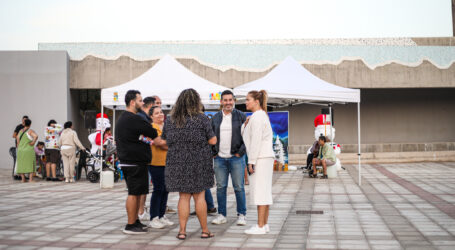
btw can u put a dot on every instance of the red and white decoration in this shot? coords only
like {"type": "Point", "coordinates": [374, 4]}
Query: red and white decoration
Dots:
{"type": "Point", "coordinates": [95, 138]}
{"type": "Point", "coordinates": [322, 127]}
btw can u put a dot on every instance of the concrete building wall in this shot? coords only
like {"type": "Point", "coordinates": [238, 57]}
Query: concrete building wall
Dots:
{"type": "Point", "coordinates": [33, 83]}
{"type": "Point", "coordinates": [96, 73]}
{"type": "Point", "coordinates": [387, 116]}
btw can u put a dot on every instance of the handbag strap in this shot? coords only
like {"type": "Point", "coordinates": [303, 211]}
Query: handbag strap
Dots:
{"type": "Point", "coordinates": [25, 131]}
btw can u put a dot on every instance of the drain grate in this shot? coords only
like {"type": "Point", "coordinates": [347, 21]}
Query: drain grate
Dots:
{"type": "Point", "coordinates": [309, 212]}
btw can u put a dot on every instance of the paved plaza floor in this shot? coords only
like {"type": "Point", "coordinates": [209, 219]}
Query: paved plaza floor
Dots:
{"type": "Point", "coordinates": [398, 206]}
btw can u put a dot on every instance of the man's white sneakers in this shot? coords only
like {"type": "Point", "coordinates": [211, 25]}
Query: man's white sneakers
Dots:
{"type": "Point", "coordinates": [267, 228]}
{"type": "Point", "coordinates": [143, 216]}
{"type": "Point", "coordinates": [156, 223]}
{"type": "Point", "coordinates": [164, 220]}
{"type": "Point", "coordinates": [241, 220]}
{"type": "Point", "coordinates": [220, 219]}
{"type": "Point", "coordinates": [256, 230]}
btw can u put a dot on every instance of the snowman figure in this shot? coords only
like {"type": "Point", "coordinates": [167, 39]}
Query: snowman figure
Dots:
{"type": "Point", "coordinates": [95, 138]}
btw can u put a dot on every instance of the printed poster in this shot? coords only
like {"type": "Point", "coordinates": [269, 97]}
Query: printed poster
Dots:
{"type": "Point", "coordinates": [280, 127]}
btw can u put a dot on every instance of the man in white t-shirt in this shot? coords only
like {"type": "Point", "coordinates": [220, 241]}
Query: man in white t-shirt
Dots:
{"type": "Point", "coordinates": [229, 159]}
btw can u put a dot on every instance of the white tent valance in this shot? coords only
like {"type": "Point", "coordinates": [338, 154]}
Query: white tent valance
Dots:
{"type": "Point", "coordinates": [166, 79]}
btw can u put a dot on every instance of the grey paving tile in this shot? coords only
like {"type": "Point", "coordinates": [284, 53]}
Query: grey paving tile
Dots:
{"type": "Point", "coordinates": [382, 214]}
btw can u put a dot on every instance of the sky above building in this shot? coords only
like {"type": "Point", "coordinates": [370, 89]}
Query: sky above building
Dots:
{"type": "Point", "coordinates": [25, 23]}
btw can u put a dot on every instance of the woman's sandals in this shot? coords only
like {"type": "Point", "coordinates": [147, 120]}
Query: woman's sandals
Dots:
{"type": "Point", "coordinates": [179, 236]}
{"type": "Point", "coordinates": [206, 235]}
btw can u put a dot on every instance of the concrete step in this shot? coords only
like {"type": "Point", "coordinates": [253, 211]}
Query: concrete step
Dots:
{"type": "Point", "coordinates": [384, 157]}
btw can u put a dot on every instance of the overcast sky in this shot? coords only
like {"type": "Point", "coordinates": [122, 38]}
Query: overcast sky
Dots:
{"type": "Point", "coordinates": [25, 23]}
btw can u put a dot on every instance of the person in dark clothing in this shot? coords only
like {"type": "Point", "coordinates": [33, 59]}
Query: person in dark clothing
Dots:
{"type": "Point", "coordinates": [144, 114]}
{"type": "Point", "coordinates": [189, 161]}
{"type": "Point", "coordinates": [145, 109]}
{"type": "Point", "coordinates": [314, 151]}
{"type": "Point", "coordinates": [134, 156]}
{"type": "Point", "coordinates": [18, 128]}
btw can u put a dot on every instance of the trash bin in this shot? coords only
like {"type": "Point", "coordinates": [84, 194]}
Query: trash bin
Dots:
{"type": "Point", "coordinates": [332, 171]}
{"type": "Point", "coordinates": [107, 179]}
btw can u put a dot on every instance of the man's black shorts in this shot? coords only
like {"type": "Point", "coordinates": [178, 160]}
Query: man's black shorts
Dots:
{"type": "Point", "coordinates": [137, 179]}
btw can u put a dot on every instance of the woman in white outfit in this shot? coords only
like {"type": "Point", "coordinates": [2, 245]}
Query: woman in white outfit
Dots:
{"type": "Point", "coordinates": [258, 136]}
{"type": "Point", "coordinates": [68, 142]}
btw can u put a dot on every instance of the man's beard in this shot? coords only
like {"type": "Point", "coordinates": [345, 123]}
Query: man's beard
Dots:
{"type": "Point", "coordinates": [137, 107]}
{"type": "Point", "coordinates": [230, 108]}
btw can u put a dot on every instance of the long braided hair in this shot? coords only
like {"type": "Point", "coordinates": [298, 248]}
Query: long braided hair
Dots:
{"type": "Point", "coordinates": [188, 104]}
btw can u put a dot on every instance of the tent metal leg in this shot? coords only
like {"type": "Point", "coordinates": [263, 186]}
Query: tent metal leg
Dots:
{"type": "Point", "coordinates": [358, 143]}
{"type": "Point", "coordinates": [331, 122]}
{"type": "Point", "coordinates": [113, 123]}
{"type": "Point", "coordinates": [101, 149]}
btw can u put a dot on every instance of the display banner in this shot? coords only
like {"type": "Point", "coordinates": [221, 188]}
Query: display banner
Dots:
{"type": "Point", "coordinates": [280, 127]}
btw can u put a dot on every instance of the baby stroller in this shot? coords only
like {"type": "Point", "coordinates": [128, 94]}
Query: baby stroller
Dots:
{"type": "Point", "coordinates": [93, 163]}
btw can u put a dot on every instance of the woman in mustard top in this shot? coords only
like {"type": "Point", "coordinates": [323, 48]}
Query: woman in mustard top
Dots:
{"type": "Point", "coordinates": [158, 202]}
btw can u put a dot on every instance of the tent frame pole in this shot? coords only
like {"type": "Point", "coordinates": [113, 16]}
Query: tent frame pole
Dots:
{"type": "Point", "coordinates": [113, 122]}
{"type": "Point", "coordinates": [331, 124]}
{"type": "Point", "coordinates": [101, 149]}
{"type": "Point", "coordinates": [358, 143]}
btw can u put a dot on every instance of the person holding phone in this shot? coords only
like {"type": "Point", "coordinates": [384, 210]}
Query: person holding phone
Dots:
{"type": "Point", "coordinates": [258, 138]}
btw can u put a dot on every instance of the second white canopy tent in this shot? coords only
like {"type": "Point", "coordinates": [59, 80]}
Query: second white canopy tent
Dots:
{"type": "Point", "coordinates": [289, 83]}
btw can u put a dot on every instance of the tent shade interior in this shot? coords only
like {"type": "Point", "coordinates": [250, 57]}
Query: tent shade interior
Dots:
{"type": "Point", "coordinates": [166, 79]}
{"type": "Point", "coordinates": [290, 83]}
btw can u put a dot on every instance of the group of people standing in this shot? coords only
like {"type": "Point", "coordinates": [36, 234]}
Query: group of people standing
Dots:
{"type": "Point", "coordinates": [60, 144]}
{"type": "Point", "coordinates": [188, 152]}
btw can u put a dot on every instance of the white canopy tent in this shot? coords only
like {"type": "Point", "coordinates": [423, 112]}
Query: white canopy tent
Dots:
{"type": "Point", "coordinates": [166, 79]}
{"type": "Point", "coordinates": [290, 83]}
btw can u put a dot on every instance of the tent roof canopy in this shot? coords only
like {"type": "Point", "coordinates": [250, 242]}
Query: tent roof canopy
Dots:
{"type": "Point", "coordinates": [166, 79]}
{"type": "Point", "coordinates": [290, 83]}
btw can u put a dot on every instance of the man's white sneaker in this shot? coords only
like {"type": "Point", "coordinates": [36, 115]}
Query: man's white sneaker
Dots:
{"type": "Point", "coordinates": [256, 230]}
{"type": "Point", "coordinates": [267, 228]}
{"type": "Point", "coordinates": [156, 223]}
{"type": "Point", "coordinates": [220, 219]}
{"type": "Point", "coordinates": [143, 216]}
{"type": "Point", "coordinates": [164, 220]}
{"type": "Point", "coordinates": [241, 220]}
